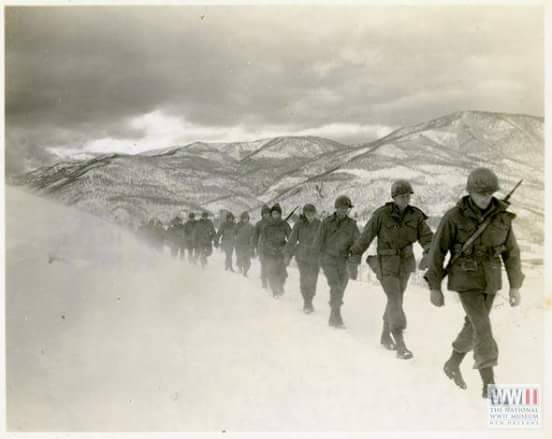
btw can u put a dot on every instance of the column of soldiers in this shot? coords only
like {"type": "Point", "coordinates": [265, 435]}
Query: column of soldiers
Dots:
{"type": "Point", "coordinates": [191, 240]}
{"type": "Point", "coordinates": [476, 235]}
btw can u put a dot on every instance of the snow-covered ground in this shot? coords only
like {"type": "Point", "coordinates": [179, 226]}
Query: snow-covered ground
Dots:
{"type": "Point", "coordinates": [104, 334]}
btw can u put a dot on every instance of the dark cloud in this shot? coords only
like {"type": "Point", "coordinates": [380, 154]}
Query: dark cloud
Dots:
{"type": "Point", "coordinates": [75, 74]}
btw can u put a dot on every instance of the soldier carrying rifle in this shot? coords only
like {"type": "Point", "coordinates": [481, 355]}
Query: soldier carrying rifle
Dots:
{"type": "Point", "coordinates": [478, 234]}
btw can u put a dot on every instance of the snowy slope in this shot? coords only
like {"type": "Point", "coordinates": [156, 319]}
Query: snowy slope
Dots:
{"type": "Point", "coordinates": [112, 337]}
{"type": "Point", "coordinates": [130, 189]}
{"type": "Point", "coordinates": [436, 155]}
{"type": "Point", "coordinates": [295, 147]}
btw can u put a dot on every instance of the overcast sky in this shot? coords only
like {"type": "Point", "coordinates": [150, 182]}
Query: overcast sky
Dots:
{"type": "Point", "coordinates": [136, 78]}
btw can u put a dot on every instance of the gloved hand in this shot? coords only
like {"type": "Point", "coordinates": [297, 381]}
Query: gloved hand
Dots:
{"type": "Point", "coordinates": [354, 259]}
{"type": "Point", "coordinates": [437, 298]}
{"type": "Point", "coordinates": [353, 271]}
{"type": "Point", "coordinates": [424, 262]}
{"type": "Point", "coordinates": [515, 297]}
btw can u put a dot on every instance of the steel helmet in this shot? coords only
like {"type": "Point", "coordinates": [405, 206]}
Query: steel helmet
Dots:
{"type": "Point", "coordinates": [276, 208]}
{"type": "Point", "coordinates": [343, 201]}
{"type": "Point", "coordinates": [482, 180]}
{"type": "Point", "coordinates": [401, 187]}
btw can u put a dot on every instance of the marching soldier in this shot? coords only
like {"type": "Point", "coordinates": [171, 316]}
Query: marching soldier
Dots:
{"type": "Point", "coordinates": [225, 237]}
{"type": "Point", "coordinates": [204, 234]}
{"type": "Point", "coordinates": [176, 237]}
{"type": "Point", "coordinates": [397, 225]}
{"type": "Point", "coordinates": [245, 243]}
{"type": "Point", "coordinates": [478, 234]}
{"type": "Point", "coordinates": [189, 236]}
{"type": "Point", "coordinates": [259, 226]}
{"type": "Point", "coordinates": [272, 242]}
{"type": "Point", "coordinates": [153, 233]}
{"type": "Point", "coordinates": [301, 245]}
{"type": "Point", "coordinates": [337, 234]}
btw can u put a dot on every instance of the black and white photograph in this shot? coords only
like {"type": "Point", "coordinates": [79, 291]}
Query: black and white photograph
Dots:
{"type": "Point", "coordinates": [276, 217]}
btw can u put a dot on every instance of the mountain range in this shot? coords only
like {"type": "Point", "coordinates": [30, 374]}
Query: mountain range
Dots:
{"type": "Point", "coordinates": [436, 156]}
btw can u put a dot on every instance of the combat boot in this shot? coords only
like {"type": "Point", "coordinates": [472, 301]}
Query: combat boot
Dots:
{"type": "Point", "coordinates": [332, 319]}
{"type": "Point", "coordinates": [307, 307]}
{"type": "Point", "coordinates": [452, 369]}
{"type": "Point", "coordinates": [340, 324]}
{"type": "Point", "coordinates": [402, 351]}
{"type": "Point", "coordinates": [336, 321]}
{"type": "Point", "coordinates": [386, 340]}
{"type": "Point", "coordinates": [487, 376]}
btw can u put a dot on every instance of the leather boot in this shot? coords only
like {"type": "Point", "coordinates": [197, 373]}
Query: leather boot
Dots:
{"type": "Point", "coordinates": [487, 376]}
{"type": "Point", "coordinates": [307, 307]}
{"type": "Point", "coordinates": [402, 351]}
{"type": "Point", "coordinates": [386, 340]}
{"type": "Point", "coordinates": [331, 320]}
{"type": "Point", "coordinates": [338, 319]}
{"type": "Point", "coordinates": [335, 320]}
{"type": "Point", "coordinates": [452, 369]}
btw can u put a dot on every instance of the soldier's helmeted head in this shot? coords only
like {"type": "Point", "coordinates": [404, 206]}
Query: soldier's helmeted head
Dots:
{"type": "Point", "coordinates": [343, 205]}
{"type": "Point", "coordinates": [400, 187]}
{"type": "Point", "coordinates": [229, 217]}
{"type": "Point", "coordinates": [309, 211]}
{"type": "Point", "coordinates": [482, 181]}
{"type": "Point", "coordinates": [204, 214]}
{"type": "Point", "coordinates": [482, 184]}
{"type": "Point", "coordinates": [401, 190]}
{"type": "Point", "coordinates": [343, 201]}
{"type": "Point", "coordinates": [191, 215]}
{"type": "Point", "coordinates": [276, 211]}
{"type": "Point", "coordinates": [265, 211]}
{"type": "Point", "coordinates": [244, 217]}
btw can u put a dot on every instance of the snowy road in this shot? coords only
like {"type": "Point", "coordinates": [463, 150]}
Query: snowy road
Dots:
{"type": "Point", "coordinates": [114, 338]}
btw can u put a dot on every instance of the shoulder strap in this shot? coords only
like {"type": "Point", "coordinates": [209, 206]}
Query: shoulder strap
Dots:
{"type": "Point", "coordinates": [478, 232]}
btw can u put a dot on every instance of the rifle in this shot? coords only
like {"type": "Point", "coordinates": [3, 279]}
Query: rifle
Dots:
{"type": "Point", "coordinates": [291, 213]}
{"type": "Point", "coordinates": [482, 227]}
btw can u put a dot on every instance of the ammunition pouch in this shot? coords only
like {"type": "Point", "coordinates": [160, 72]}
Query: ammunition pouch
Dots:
{"type": "Point", "coordinates": [479, 252]}
{"type": "Point", "coordinates": [405, 252]}
{"type": "Point", "coordinates": [472, 258]}
{"type": "Point", "coordinates": [468, 264]}
{"type": "Point", "coordinates": [389, 261]}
